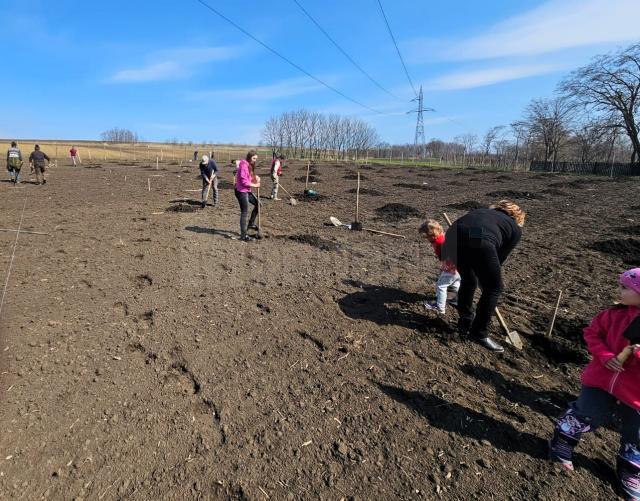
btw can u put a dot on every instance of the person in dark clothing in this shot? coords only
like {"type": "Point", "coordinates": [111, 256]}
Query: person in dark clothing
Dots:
{"type": "Point", "coordinates": [14, 162]}
{"type": "Point", "coordinates": [37, 161]}
{"type": "Point", "coordinates": [479, 243]}
{"type": "Point", "coordinates": [209, 174]}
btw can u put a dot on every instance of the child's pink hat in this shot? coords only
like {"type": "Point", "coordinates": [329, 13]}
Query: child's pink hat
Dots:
{"type": "Point", "coordinates": [631, 279]}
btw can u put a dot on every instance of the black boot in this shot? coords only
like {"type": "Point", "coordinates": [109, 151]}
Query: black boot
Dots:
{"type": "Point", "coordinates": [489, 344]}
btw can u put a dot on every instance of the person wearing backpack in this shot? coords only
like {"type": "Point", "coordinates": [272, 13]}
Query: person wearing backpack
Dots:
{"type": "Point", "coordinates": [276, 172]}
{"type": "Point", "coordinates": [14, 162]}
{"type": "Point", "coordinates": [37, 161]}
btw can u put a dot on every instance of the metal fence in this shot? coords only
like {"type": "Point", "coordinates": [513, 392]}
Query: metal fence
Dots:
{"type": "Point", "coordinates": [593, 168]}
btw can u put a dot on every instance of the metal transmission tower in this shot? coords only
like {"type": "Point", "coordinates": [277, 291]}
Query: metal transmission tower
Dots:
{"type": "Point", "coordinates": [420, 144]}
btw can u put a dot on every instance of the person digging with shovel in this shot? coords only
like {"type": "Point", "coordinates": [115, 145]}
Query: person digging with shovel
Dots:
{"type": "Point", "coordinates": [276, 172]}
{"type": "Point", "coordinates": [209, 174]}
{"type": "Point", "coordinates": [245, 181]}
{"type": "Point", "coordinates": [478, 244]}
{"type": "Point", "coordinates": [610, 386]}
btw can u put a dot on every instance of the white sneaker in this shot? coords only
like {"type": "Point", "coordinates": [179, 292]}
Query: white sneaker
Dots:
{"type": "Point", "coordinates": [433, 307]}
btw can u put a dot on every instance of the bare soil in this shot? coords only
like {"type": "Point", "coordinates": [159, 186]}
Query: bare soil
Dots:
{"type": "Point", "coordinates": [147, 354]}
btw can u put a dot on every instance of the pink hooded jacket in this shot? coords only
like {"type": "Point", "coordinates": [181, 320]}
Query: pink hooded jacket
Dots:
{"type": "Point", "coordinates": [605, 340]}
{"type": "Point", "coordinates": [243, 177]}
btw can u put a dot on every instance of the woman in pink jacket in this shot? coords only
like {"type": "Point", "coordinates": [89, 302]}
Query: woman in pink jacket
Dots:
{"type": "Point", "coordinates": [610, 385]}
{"type": "Point", "coordinates": [245, 180]}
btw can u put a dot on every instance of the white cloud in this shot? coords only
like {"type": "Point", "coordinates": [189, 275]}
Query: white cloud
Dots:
{"type": "Point", "coordinates": [554, 26]}
{"type": "Point", "coordinates": [488, 76]}
{"type": "Point", "coordinates": [279, 90]}
{"type": "Point", "coordinates": [174, 64]}
{"type": "Point", "coordinates": [152, 72]}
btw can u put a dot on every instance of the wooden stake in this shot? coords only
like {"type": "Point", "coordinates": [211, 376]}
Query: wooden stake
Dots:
{"type": "Point", "coordinates": [149, 183]}
{"type": "Point", "coordinates": [446, 218]}
{"type": "Point", "coordinates": [24, 231]}
{"type": "Point", "coordinates": [384, 233]}
{"type": "Point", "coordinates": [358, 199]}
{"type": "Point", "coordinates": [89, 150]}
{"type": "Point", "coordinates": [555, 314]}
{"type": "Point", "coordinates": [156, 163]}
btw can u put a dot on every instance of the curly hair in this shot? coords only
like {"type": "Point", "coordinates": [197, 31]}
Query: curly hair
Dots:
{"type": "Point", "coordinates": [512, 210]}
{"type": "Point", "coordinates": [431, 229]}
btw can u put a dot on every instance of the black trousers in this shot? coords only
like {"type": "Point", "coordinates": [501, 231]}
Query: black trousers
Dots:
{"type": "Point", "coordinates": [478, 264]}
{"type": "Point", "coordinates": [244, 199]}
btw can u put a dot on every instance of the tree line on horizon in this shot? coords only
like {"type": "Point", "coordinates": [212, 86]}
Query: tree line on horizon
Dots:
{"type": "Point", "coordinates": [593, 117]}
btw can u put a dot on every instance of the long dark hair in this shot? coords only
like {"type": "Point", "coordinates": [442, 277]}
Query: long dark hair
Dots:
{"type": "Point", "coordinates": [251, 154]}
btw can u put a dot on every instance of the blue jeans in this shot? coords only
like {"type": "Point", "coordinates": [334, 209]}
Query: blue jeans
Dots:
{"type": "Point", "coordinates": [446, 281]}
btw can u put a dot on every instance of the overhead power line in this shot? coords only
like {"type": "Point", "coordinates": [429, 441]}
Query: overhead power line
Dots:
{"type": "Point", "coordinates": [287, 60]}
{"type": "Point", "coordinates": [406, 72]}
{"type": "Point", "coordinates": [344, 53]}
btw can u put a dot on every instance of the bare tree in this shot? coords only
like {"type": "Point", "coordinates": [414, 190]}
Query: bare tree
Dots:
{"type": "Point", "coordinates": [490, 136]}
{"type": "Point", "coordinates": [611, 84]}
{"type": "Point", "coordinates": [118, 135]}
{"type": "Point", "coordinates": [548, 121]}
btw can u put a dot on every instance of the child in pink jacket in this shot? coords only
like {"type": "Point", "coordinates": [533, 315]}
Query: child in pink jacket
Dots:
{"type": "Point", "coordinates": [610, 385]}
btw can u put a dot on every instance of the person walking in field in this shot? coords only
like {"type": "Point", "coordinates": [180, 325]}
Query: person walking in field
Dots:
{"type": "Point", "coordinates": [276, 172]}
{"type": "Point", "coordinates": [479, 244]}
{"type": "Point", "coordinates": [14, 162]}
{"type": "Point", "coordinates": [37, 161]}
{"type": "Point", "coordinates": [245, 180]}
{"type": "Point", "coordinates": [195, 155]}
{"type": "Point", "coordinates": [449, 278]}
{"type": "Point", "coordinates": [75, 156]}
{"type": "Point", "coordinates": [209, 174]}
{"type": "Point", "coordinates": [610, 387]}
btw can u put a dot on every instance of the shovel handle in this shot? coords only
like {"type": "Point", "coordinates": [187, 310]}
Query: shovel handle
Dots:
{"type": "Point", "coordinates": [502, 322]}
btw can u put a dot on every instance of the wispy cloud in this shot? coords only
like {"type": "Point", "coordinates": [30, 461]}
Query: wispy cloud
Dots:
{"type": "Point", "coordinates": [174, 64]}
{"type": "Point", "coordinates": [554, 26]}
{"type": "Point", "coordinates": [488, 76]}
{"type": "Point", "coordinates": [278, 90]}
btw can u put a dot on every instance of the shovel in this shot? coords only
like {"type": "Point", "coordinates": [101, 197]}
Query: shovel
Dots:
{"type": "Point", "coordinates": [336, 222]}
{"type": "Point", "coordinates": [259, 234]}
{"type": "Point", "coordinates": [292, 200]}
{"type": "Point", "coordinates": [513, 337]}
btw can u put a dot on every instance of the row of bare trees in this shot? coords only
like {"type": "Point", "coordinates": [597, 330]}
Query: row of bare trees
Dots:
{"type": "Point", "coordinates": [118, 135]}
{"type": "Point", "coordinates": [593, 117]}
{"type": "Point", "coordinates": [311, 134]}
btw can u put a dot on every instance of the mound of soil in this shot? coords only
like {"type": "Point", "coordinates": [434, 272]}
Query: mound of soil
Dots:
{"type": "Point", "coordinates": [316, 241]}
{"type": "Point", "coordinates": [366, 191]}
{"type": "Point", "coordinates": [627, 249]}
{"type": "Point", "coordinates": [635, 207]}
{"type": "Point", "coordinates": [397, 212]}
{"type": "Point", "coordinates": [632, 230]}
{"type": "Point", "coordinates": [314, 172]}
{"type": "Point", "coordinates": [512, 194]}
{"type": "Point", "coordinates": [92, 166]}
{"type": "Point", "coordinates": [355, 176]}
{"type": "Point", "coordinates": [467, 205]}
{"type": "Point", "coordinates": [503, 177]}
{"type": "Point", "coordinates": [312, 179]}
{"type": "Point", "coordinates": [182, 207]}
{"type": "Point", "coordinates": [416, 186]}
{"type": "Point", "coordinates": [225, 185]}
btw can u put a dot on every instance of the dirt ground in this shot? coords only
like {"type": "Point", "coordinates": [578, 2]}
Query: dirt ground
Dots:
{"type": "Point", "coordinates": [146, 354]}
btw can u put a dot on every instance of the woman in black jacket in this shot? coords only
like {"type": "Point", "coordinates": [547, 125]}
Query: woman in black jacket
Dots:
{"type": "Point", "coordinates": [479, 243]}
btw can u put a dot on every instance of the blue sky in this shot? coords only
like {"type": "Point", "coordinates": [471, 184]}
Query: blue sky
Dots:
{"type": "Point", "coordinates": [171, 68]}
